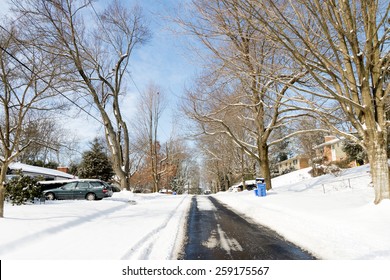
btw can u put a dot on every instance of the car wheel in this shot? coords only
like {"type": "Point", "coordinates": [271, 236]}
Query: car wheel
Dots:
{"type": "Point", "coordinates": [50, 196]}
{"type": "Point", "coordinates": [90, 196]}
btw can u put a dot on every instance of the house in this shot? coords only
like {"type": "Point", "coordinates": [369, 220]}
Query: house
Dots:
{"type": "Point", "coordinates": [294, 163]}
{"type": "Point", "coordinates": [34, 171]}
{"type": "Point", "coordinates": [331, 150]}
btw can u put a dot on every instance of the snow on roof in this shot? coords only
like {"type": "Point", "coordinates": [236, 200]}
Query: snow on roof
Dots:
{"type": "Point", "coordinates": [293, 158]}
{"type": "Point", "coordinates": [331, 142]}
{"type": "Point", "coordinates": [40, 170]}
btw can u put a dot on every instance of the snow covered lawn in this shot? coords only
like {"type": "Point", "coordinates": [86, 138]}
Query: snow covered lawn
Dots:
{"type": "Point", "coordinates": [332, 217]}
{"type": "Point", "coordinates": [110, 229]}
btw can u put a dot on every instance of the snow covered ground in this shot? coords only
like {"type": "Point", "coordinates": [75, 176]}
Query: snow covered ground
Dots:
{"type": "Point", "coordinates": [332, 217]}
{"type": "Point", "coordinates": [110, 229]}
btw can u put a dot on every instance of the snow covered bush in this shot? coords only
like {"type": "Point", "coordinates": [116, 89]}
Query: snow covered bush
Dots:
{"type": "Point", "coordinates": [321, 166]}
{"type": "Point", "coordinates": [21, 189]}
{"type": "Point", "coordinates": [333, 169]}
{"type": "Point", "coordinates": [320, 169]}
{"type": "Point", "coordinates": [317, 170]}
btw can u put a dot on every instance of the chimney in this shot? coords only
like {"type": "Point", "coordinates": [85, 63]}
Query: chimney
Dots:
{"type": "Point", "coordinates": [63, 169]}
{"type": "Point", "coordinates": [329, 138]}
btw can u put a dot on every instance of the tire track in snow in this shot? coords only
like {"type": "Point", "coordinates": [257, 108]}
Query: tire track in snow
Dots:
{"type": "Point", "coordinates": [144, 247]}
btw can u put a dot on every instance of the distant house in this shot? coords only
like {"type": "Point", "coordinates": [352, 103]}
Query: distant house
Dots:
{"type": "Point", "coordinates": [294, 163]}
{"type": "Point", "coordinates": [34, 171]}
{"type": "Point", "coordinates": [332, 149]}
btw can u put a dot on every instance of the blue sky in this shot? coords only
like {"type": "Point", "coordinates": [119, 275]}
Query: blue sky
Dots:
{"type": "Point", "coordinates": [163, 61]}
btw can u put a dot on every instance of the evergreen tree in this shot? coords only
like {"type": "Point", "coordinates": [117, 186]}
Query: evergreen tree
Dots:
{"type": "Point", "coordinates": [22, 189]}
{"type": "Point", "coordinates": [95, 163]}
{"type": "Point", "coordinates": [354, 152]}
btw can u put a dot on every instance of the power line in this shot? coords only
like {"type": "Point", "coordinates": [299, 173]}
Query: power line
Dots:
{"type": "Point", "coordinates": [43, 80]}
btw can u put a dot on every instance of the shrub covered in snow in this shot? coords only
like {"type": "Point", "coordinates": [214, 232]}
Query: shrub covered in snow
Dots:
{"type": "Point", "coordinates": [320, 169]}
{"type": "Point", "coordinates": [22, 189]}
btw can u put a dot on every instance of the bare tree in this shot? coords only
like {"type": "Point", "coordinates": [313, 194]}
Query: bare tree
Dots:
{"type": "Point", "coordinates": [26, 94]}
{"type": "Point", "coordinates": [247, 83]}
{"type": "Point", "coordinates": [305, 143]}
{"type": "Point", "coordinates": [50, 139]}
{"type": "Point", "coordinates": [224, 163]}
{"type": "Point", "coordinates": [151, 107]}
{"type": "Point", "coordinates": [97, 54]}
{"type": "Point", "coordinates": [344, 46]}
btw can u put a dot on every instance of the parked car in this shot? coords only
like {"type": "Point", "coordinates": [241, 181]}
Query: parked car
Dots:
{"type": "Point", "coordinates": [235, 188]}
{"type": "Point", "coordinates": [249, 185]}
{"type": "Point", "coordinates": [165, 191]}
{"type": "Point", "coordinates": [89, 189]}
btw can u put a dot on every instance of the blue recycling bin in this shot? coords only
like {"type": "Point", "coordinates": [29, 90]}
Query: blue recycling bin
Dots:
{"type": "Point", "coordinates": [261, 190]}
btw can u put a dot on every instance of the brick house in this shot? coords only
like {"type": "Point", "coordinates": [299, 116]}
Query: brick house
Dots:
{"type": "Point", "coordinates": [332, 150]}
{"type": "Point", "coordinates": [294, 163]}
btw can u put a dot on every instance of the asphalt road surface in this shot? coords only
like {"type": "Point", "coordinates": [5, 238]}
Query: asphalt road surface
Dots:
{"type": "Point", "coordinates": [216, 233]}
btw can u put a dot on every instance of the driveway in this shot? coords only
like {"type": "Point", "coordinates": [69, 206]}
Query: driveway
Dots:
{"type": "Point", "coordinates": [215, 232]}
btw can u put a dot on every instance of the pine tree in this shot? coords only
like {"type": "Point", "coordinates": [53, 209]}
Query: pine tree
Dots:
{"type": "Point", "coordinates": [22, 189]}
{"type": "Point", "coordinates": [95, 163]}
{"type": "Point", "coordinates": [355, 152]}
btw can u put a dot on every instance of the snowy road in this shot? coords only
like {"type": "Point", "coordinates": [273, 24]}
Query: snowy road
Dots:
{"type": "Point", "coordinates": [215, 232]}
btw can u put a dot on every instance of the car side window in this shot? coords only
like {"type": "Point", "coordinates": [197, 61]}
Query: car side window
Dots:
{"type": "Point", "coordinates": [96, 184]}
{"type": "Point", "coordinates": [83, 185]}
{"type": "Point", "coordinates": [69, 186]}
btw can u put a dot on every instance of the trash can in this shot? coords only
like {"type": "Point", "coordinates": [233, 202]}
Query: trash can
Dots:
{"type": "Point", "coordinates": [261, 189]}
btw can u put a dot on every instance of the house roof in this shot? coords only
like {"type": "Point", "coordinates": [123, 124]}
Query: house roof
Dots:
{"type": "Point", "coordinates": [39, 170]}
{"type": "Point", "coordinates": [292, 159]}
{"type": "Point", "coordinates": [328, 143]}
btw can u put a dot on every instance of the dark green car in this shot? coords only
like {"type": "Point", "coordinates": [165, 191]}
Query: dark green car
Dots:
{"type": "Point", "coordinates": [89, 189]}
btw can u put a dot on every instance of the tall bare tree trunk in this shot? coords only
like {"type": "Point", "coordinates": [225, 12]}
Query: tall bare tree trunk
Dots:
{"type": "Point", "coordinates": [377, 155]}
{"type": "Point", "coordinates": [3, 174]}
{"type": "Point", "coordinates": [264, 165]}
